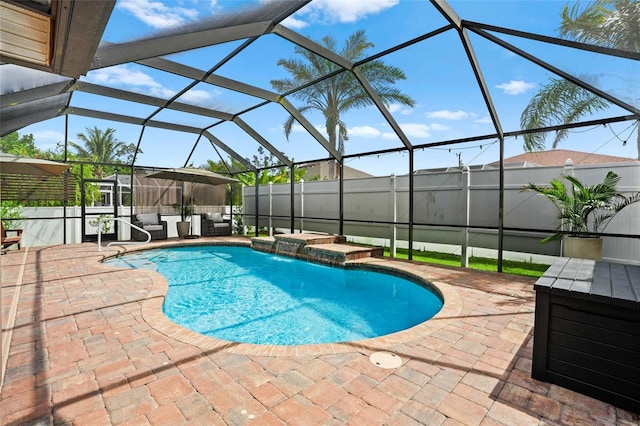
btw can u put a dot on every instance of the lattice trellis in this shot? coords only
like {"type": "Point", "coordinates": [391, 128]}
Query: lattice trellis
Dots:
{"type": "Point", "coordinates": [27, 188]}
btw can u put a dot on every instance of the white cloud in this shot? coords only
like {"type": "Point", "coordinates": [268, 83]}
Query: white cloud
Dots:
{"type": "Point", "coordinates": [439, 127]}
{"type": "Point", "coordinates": [449, 115]}
{"type": "Point", "coordinates": [294, 24]}
{"type": "Point", "coordinates": [399, 108]}
{"type": "Point", "coordinates": [484, 120]}
{"type": "Point", "coordinates": [160, 92]}
{"type": "Point", "coordinates": [297, 128]}
{"type": "Point", "coordinates": [343, 11]}
{"type": "Point", "coordinates": [394, 107]}
{"type": "Point", "coordinates": [516, 87]}
{"type": "Point", "coordinates": [195, 97]}
{"type": "Point", "coordinates": [415, 130]}
{"type": "Point", "coordinates": [136, 80]}
{"type": "Point", "coordinates": [389, 136]}
{"type": "Point", "coordinates": [157, 14]}
{"type": "Point", "coordinates": [364, 132]}
{"type": "Point", "coordinates": [321, 128]}
{"type": "Point", "coordinates": [121, 75]}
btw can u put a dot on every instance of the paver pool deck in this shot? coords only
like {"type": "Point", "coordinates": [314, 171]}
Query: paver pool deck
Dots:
{"type": "Point", "coordinates": [87, 344]}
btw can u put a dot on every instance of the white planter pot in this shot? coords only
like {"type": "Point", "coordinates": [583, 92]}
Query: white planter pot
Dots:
{"type": "Point", "coordinates": [582, 248]}
{"type": "Point", "coordinates": [183, 228]}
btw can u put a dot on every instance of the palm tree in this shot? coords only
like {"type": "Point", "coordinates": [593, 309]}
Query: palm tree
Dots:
{"type": "Point", "coordinates": [607, 23]}
{"type": "Point", "coordinates": [103, 147]}
{"type": "Point", "coordinates": [584, 209]}
{"type": "Point", "coordinates": [342, 92]}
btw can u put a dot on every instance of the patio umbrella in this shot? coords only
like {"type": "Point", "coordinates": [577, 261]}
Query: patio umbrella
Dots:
{"type": "Point", "coordinates": [193, 175]}
{"type": "Point", "coordinates": [13, 164]}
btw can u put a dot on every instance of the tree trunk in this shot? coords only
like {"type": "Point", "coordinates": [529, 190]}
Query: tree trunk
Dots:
{"type": "Point", "coordinates": [332, 171]}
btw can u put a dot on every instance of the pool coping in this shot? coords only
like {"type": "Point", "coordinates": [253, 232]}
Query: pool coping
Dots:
{"type": "Point", "coordinates": [153, 315]}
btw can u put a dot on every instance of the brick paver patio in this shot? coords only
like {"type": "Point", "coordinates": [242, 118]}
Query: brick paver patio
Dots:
{"type": "Point", "coordinates": [90, 347]}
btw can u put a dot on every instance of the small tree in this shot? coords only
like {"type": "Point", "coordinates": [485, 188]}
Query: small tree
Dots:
{"type": "Point", "coordinates": [23, 146]}
{"type": "Point", "coordinates": [270, 172]}
{"type": "Point", "coordinates": [103, 221]}
{"type": "Point", "coordinates": [11, 214]}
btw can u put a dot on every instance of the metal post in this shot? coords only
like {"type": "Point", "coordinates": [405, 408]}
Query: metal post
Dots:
{"type": "Point", "coordinates": [133, 204]}
{"type": "Point", "coordinates": [394, 216]}
{"type": "Point", "coordinates": [466, 198]}
{"type": "Point", "coordinates": [341, 212]}
{"type": "Point", "coordinates": [230, 205]}
{"type": "Point", "coordinates": [293, 199]}
{"type": "Point", "coordinates": [270, 209]}
{"type": "Point", "coordinates": [568, 171]}
{"type": "Point", "coordinates": [501, 207]}
{"type": "Point", "coordinates": [244, 211]}
{"type": "Point", "coordinates": [115, 200]}
{"type": "Point", "coordinates": [66, 182]}
{"type": "Point", "coordinates": [410, 242]}
{"type": "Point", "coordinates": [301, 205]}
{"type": "Point", "coordinates": [257, 198]}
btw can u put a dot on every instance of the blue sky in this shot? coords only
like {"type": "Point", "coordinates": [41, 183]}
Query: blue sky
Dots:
{"type": "Point", "coordinates": [448, 104]}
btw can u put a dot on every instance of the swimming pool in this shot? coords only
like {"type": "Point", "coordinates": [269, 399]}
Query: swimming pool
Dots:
{"type": "Point", "coordinates": [241, 295]}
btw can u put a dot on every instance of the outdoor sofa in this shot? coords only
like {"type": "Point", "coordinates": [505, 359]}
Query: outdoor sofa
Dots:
{"type": "Point", "coordinates": [213, 224]}
{"type": "Point", "coordinates": [152, 223]}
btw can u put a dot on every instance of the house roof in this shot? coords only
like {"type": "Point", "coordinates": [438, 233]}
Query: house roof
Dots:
{"type": "Point", "coordinates": [558, 157]}
{"type": "Point", "coordinates": [321, 169]}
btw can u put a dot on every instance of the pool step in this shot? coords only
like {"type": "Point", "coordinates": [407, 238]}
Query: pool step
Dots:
{"type": "Point", "coordinates": [331, 249]}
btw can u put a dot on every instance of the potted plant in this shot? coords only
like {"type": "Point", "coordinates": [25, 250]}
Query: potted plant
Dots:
{"type": "Point", "coordinates": [584, 212]}
{"type": "Point", "coordinates": [186, 210]}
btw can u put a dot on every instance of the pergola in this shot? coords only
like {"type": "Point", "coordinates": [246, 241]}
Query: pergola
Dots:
{"type": "Point", "coordinates": [41, 81]}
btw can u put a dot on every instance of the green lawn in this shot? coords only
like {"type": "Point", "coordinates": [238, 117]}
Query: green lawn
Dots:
{"type": "Point", "coordinates": [481, 263]}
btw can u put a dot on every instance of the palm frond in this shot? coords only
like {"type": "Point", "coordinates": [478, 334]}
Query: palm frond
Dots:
{"type": "Point", "coordinates": [609, 23]}
{"type": "Point", "coordinates": [557, 102]}
{"type": "Point", "coordinates": [614, 24]}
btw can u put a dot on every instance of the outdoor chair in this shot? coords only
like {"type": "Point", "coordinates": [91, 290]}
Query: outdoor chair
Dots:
{"type": "Point", "coordinates": [152, 223]}
{"type": "Point", "coordinates": [213, 224]}
{"type": "Point", "coordinates": [8, 241]}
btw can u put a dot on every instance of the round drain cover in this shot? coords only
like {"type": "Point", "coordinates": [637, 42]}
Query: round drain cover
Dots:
{"type": "Point", "coordinates": [386, 359]}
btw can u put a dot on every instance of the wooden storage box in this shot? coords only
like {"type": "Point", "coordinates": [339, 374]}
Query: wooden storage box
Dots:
{"type": "Point", "coordinates": [587, 330]}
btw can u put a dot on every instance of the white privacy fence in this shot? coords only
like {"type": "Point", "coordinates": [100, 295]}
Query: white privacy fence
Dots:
{"type": "Point", "coordinates": [452, 210]}
{"type": "Point", "coordinates": [45, 226]}
{"type": "Point", "coordinates": [455, 208]}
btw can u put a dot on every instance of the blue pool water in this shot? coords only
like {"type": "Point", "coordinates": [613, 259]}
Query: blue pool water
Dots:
{"type": "Point", "coordinates": [241, 295]}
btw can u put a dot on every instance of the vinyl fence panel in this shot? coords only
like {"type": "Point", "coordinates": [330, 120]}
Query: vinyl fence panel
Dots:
{"type": "Point", "coordinates": [450, 207]}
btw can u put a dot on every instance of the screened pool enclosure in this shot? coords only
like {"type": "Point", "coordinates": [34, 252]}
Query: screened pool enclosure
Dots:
{"type": "Point", "coordinates": [389, 88]}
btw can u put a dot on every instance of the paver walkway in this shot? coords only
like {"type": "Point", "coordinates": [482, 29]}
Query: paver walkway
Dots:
{"type": "Point", "coordinates": [87, 349]}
